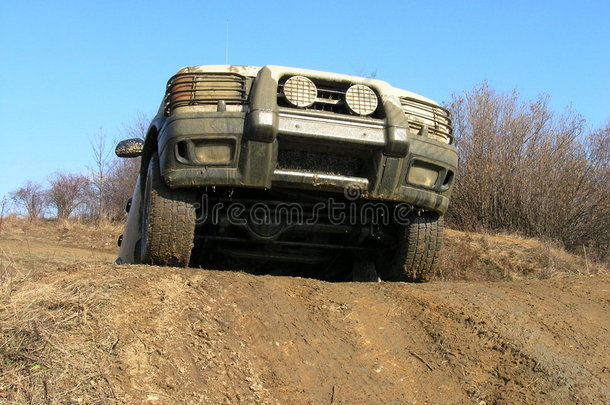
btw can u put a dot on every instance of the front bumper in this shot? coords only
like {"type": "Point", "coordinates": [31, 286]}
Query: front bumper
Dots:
{"type": "Point", "coordinates": [261, 134]}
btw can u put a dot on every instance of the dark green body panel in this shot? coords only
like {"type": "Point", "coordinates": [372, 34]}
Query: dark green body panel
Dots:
{"type": "Point", "coordinates": [258, 131]}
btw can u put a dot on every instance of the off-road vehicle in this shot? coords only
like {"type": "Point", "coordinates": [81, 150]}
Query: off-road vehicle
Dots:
{"type": "Point", "coordinates": [291, 165]}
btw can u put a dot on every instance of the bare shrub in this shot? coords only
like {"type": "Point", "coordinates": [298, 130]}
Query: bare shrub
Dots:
{"type": "Point", "coordinates": [527, 170]}
{"type": "Point", "coordinates": [598, 152]}
{"type": "Point", "coordinates": [122, 174]}
{"type": "Point", "coordinates": [3, 205]}
{"type": "Point", "coordinates": [112, 178]}
{"type": "Point", "coordinates": [31, 199]}
{"type": "Point", "coordinates": [66, 192]}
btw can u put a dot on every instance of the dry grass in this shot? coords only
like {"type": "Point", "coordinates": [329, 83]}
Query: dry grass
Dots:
{"type": "Point", "coordinates": [48, 351]}
{"type": "Point", "coordinates": [502, 257]}
{"type": "Point", "coordinates": [98, 236]}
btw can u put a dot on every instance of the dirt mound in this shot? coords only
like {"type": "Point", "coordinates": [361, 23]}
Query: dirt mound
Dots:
{"type": "Point", "coordinates": [94, 332]}
{"type": "Point", "coordinates": [471, 256]}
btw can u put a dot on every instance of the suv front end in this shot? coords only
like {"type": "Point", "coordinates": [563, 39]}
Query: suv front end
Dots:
{"type": "Point", "coordinates": [315, 134]}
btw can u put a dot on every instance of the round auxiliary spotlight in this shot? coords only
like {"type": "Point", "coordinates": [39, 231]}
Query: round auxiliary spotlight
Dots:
{"type": "Point", "coordinates": [361, 99]}
{"type": "Point", "coordinates": [300, 91]}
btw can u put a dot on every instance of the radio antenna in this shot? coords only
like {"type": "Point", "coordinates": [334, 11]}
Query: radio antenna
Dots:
{"type": "Point", "coordinates": [227, 43]}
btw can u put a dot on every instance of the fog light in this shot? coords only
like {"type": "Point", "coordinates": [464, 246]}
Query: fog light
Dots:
{"type": "Point", "coordinates": [300, 91]}
{"type": "Point", "coordinates": [361, 99]}
{"type": "Point", "coordinates": [208, 152]}
{"type": "Point", "coordinates": [423, 174]}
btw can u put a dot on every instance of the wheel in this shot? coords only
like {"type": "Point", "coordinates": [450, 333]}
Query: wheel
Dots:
{"type": "Point", "coordinates": [168, 221]}
{"type": "Point", "coordinates": [417, 251]}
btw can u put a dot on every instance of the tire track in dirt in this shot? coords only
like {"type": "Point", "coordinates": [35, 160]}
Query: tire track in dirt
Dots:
{"type": "Point", "coordinates": [195, 336]}
{"type": "Point", "coordinates": [515, 353]}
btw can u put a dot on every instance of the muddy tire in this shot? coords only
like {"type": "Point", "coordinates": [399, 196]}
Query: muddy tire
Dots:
{"type": "Point", "coordinates": [168, 221]}
{"type": "Point", "coordinates": [416, 256]}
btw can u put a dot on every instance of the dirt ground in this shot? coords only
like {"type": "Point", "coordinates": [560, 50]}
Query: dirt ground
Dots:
{"type": "Point", "coordinates": [79, 329]}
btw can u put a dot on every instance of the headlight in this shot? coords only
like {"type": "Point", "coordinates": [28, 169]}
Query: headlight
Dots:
{"type": "Point", "coordinates": [214, 152]}
{"type": "Point", "coordinates": [423, 174]}
{"type": "Point", "coordinates": [205, 89]}
{"type": "Point", "coordinates": [361, 99]}
{"type": "Point", "coordinates": [300, 91]}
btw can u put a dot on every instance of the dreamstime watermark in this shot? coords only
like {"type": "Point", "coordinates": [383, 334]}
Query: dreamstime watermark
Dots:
{"type": "Point", "coordinates": [351, 210]}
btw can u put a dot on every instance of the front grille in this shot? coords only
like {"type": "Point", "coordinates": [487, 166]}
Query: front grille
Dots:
{"type": "Point", "coordinates": [188, 89]}
{"type": "Point", "coordinates": [320, 162]}
{"type": "Point", "coordinates": [330, 98]}
{"type": "Point", "coordinates": [427, 117]}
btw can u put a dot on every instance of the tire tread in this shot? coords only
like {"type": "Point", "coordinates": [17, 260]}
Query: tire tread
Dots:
{"type": "Point", "coordinates": [171, 222]}
{"type": "Point", "coordinates": [416, 258]}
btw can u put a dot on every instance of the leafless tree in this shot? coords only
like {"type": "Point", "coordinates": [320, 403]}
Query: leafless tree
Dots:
{"type": "Point", "coordinates": [122, 172]}
{"type": "Point", "coordinates": [66, 192]}
{"type": "Point", "coordinates": [30, 197]}
{"type": "Point", "coordinates": [98, 174]}
{"type": "Point", "coordinates": [112, 178]}
{"type": "Point", "coordinates": [137, 127]}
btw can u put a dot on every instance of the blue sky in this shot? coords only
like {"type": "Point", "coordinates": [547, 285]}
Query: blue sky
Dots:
{"type": "Point", "coordinates": [72, 68]}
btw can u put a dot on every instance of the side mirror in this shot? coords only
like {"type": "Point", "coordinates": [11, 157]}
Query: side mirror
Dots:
{"type": "Point", "coordinates": [129, 148]}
